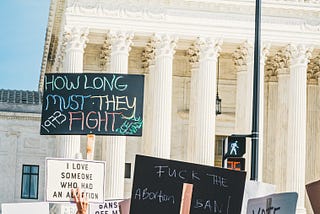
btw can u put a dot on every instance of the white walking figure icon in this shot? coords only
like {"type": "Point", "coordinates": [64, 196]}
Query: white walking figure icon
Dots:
{"type": "Point", "coordinates": [234, 147]}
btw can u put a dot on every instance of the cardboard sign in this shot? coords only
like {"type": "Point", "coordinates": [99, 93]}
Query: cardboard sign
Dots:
{"type": "Point", "coordinates": [255, 189]}
{"type": "Point", "coordinates": [70, 208]}
{"type": "Point", "coordinates": [108, 207]}
{"type": "Point", "coordinates": [62, 175]}
{"type": "Point", "coordinates": [158, 187]}
{"type": "Point", "coordinates": [281, 203]}
{"type": "Point", "coordinates": [92, 103]}
{"type": "Point", "coordinates": [313, 191]}
{"type": "Point", "coordinates": [25, 208]}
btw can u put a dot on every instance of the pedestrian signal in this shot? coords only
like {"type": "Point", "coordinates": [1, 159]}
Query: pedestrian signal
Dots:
{"type": "Point", "coordinates": [236, 146]}
{"type": "Point", "coordinates": [236, 163]}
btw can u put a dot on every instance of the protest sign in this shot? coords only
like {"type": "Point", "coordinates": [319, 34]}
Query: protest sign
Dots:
{"type": "Point", "coordinates": [158, 187]}
{"type": "Point", "coordinates": [70, 208]}
{"type": "Point", "coordinates": [62, 175]}
{"type": "Point", "coordinates": [281, 203]}
{"type": "Point", "coordinates": [107, 207]}
{"type": "Point", "coordinates": [25, 208]}
{"type": "Point", "coordinates": [313, 191]}
{"type": "Point", "coordinates": [92, 103]}
{"type": "Point", "coordinates": [255, 189]}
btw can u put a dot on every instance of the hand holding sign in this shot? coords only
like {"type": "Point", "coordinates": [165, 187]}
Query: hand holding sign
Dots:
{"type": "Point", "coordinates": [81, 201]}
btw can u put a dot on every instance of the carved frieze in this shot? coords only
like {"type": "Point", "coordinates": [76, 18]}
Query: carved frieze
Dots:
{"type": "Point", "coordinates": [131, 9]}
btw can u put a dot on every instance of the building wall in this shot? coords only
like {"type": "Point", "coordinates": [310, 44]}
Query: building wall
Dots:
{"type": "Point", "coordinates": [20, 143]}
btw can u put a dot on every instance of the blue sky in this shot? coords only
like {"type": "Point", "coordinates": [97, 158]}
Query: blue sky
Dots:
{"type": "Point", "coordinates": [23, 27]}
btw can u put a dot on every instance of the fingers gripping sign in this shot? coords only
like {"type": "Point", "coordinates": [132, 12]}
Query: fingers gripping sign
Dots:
{"type": "Point", "coordinates": [81, 201]}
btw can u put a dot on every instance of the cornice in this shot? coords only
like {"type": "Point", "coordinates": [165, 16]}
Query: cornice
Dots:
{"type": "Point", "coordinates": [282, 21]}
{"type": "Point", "coordinates": [19, 116]}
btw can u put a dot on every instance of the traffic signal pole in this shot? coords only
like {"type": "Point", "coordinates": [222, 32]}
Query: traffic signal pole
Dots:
{"type": "Point", "coordinates": [256, 95]}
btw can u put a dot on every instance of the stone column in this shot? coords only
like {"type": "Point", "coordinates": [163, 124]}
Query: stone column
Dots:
{"type": "Point", "coordinates": [75, 42]}
{"type": "Point", "coordinates": [313, 124]}
{"type": "Point", "coordinates": [193, 53]}
{"type": "Point", "coordinates": [281, 143]}
{"type": "Point", "coordinates": [264, 53]}
{"type": "Point", "coordinates": [299, 57]}
{"type": "Point", "coordinates": [204, 131]}
{"type": "Point", "coordinates": [243, 61]}
{"type": "Point", "coordinates": [114, 147]}
{"type": "Point", "coordinates": [271, 95]}
{"type": "Point", "coordinates": [161, 78]}
{"type": "Point", "coordinates": [148, 55]}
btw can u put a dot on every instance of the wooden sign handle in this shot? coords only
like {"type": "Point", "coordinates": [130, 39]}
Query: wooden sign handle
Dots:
{"type": "Point", "coordinates": [90, 146]}
{"type": "Point", "coordinates": [186, 198]}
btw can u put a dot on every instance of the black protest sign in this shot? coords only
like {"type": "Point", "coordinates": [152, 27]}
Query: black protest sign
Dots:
{"type": "Point", "coordinates": [92, 103]}
{"type": "Point", "coordinates": [158, 186]}
{"type": "Point", "coordinates": [313, 191]}
{"type": "Point", "coordinates": [281, 203]}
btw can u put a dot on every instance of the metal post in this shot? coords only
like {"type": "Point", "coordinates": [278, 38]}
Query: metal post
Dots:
{"type": "Point", "coordinates": [256, 93]}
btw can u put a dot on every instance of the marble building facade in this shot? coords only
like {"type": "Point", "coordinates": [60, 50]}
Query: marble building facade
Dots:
{"type": "Point", "coordinates": [181, 47]}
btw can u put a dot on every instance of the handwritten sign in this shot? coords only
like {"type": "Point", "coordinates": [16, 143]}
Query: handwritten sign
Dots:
{"type": "Point", "coordinates": [313, 191]}
{"type": "Point", "coordinates": [158, 184]}
{"type": "Point", "coordinates": [25, 208]}
{"type": "Point", "coordinates": [255, 189]}
{"type": "Point", "coordinates": [108, 207]}
{"type": "Point", "coordinates": [281, 203]}
{"type": "Point", "coordinates": [92, 103]}
{"type": "Point", "coordinates": [62, 175]}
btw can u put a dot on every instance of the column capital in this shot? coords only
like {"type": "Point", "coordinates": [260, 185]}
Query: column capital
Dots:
{"type": "Point", "coordinates": [264, 52]}
{"type": "Point", "coordinates": [209, 48]}
{"type": "Point", "coordinates": [243, 55]}
{"type": "Point", "coordinates": [105, 53]}
{"type": "Point", "coordinates": [277, 65]}
{"type": "Point", "coordinates": [148, 54]}
{"type": "Point", "coordinates": [75, 38]}
{"type": "Point", "coordinates": [271, 69]}
{"type": "Point", "coordinates": [120, 41]}
{"type": "Point", "coordinates": [299, 54]}
{"type": "Point", "coordinates": [282, 60]}
{"type": "Point", "coordinates": [165, 44]}
{"type": "Point", "coordinates": [313, 71]}
{"type": "Point", "coordinates": [193, 53]}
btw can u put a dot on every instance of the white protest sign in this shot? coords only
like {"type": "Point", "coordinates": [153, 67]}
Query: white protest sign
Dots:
{"type": "Point", "coordinates": [281, 203]}
{"type": "Point", "coordinates": [108, 207]}
{"type": "Point", "coordinates": [62, 175]}
{"type": "Point", "coordinates": [25, 208]}
{"type": "Point", "coordinates": [255, 189]}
